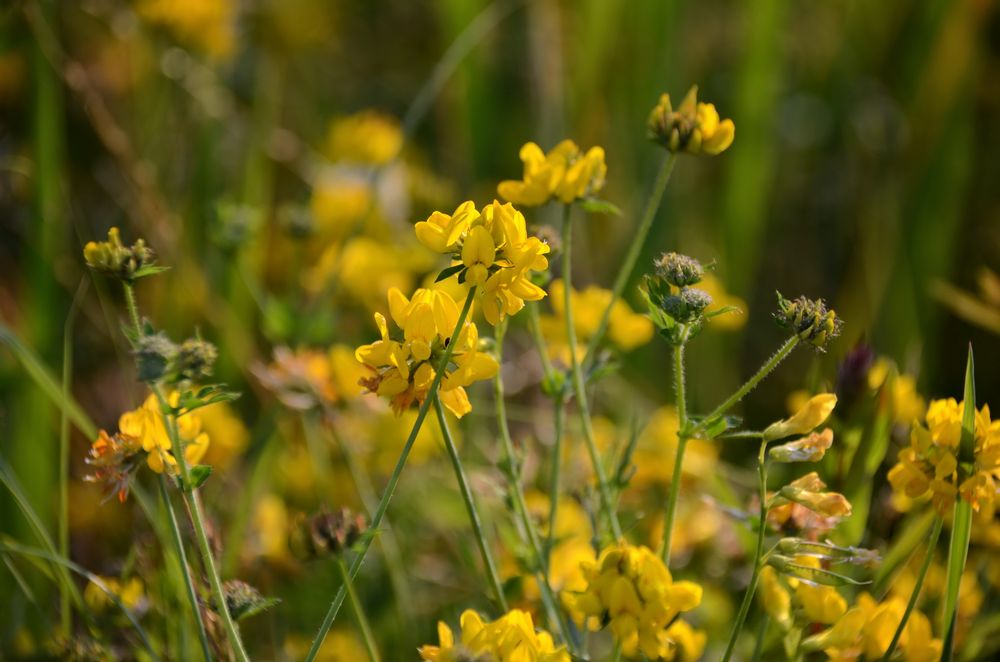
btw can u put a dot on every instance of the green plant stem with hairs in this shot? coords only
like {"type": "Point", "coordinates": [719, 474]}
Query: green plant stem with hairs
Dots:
{"type": "Point", "coordinates": [579, 388]}
{"type": "Point", "coordinates": [470, 505]}
{"type": "Point", "coordinates": [682, 439]}
{"type": "Point", "coordinates": [359, 612]}
{"type": "Point", "coordinates": [390, 488]}
{"type": "Point", "coordinates": [193, 502]}
{"type": "Point", "coordinates": [632, 255]}
{"type": "Point", "coordinates": [758, 555]}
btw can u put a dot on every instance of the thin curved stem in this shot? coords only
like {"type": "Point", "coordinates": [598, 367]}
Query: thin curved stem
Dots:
{"type": "Point", "coordinates": [682, 438]}
{"type": "Point", "coordinates": [741, 617]}
{"type": "Point", "coordinates": [359, 612]}
{"type": "Point", "coordinates": [579, 389]}
{"type": "Point", "coordinates": [390, 488]}
{"type": "Point", "coordinates": [931, 546]}
{"type": "Point", "coordinates": [634, 250]}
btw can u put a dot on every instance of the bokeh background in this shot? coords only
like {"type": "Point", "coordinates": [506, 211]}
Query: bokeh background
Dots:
{"type": "Point", "coordinates": [865, 170]}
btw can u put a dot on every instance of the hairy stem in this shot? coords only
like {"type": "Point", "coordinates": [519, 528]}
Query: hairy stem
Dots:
{"type": "Point", "coordinates": [682, 438]}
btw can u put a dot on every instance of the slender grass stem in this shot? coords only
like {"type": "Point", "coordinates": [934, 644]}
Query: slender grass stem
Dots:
{"type": "Point", "coordinates": [359, 612]}
{"type": "Point", "coordinates": [912, 602]}
{"type": "Point", "coordinates": [682, 438]}
{"type": "Point", "coordinates": [470, 505]}
{"type": "Point", "coordinates": [634, 250]}
{"type": "Point", "coordinates": [750, 384]}
{"type": "Point", "coordinates": [579, 389]}
{"type": "Point", "coordinates": [390, 488]}
{"type": "Point", "coordinates": [741, 616]}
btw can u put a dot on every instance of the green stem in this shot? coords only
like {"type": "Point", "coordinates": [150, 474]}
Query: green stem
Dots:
{"type": "Point", "coordinates": [758, 553]}
{"type": "Point", "coordinates": [470, 505]}
{"type": "Point", "coordinates": [682, 438]}
{"type": "Point", "coordinates": [192, 595]}
{"type": "Point", "coordinates": [634, 250]}
{"type": "Point", "coordinates": [749, 385]}
{"type": "Point", "coordinates": [359, 612]}
{"type": "Point", "coordinates": [579, 389]}
{"type": "Point", "coordinates": [931, 546]}
{"type": "Point", "coordinates": [390, 488]}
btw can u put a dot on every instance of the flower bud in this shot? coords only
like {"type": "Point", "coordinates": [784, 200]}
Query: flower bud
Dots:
{"type": "Point", "coordinates": [112, 257]}
{"type": "Point", "coordinates": [679, 270]}
{"type": "Point", "coordinates": [688, 305]}
{"type": "Point", "coordinates": [694, 128]}
{"type": "Point", "coordinates": [154, 357]}
{"type": "Point", "coordinates": [809, 319]}
{"type": "Point", "coordinates": [243, 600]}
{"type": "Point", "coordinates": [328, 533]}
{"type": "Point", "coordinates": [195, 359]}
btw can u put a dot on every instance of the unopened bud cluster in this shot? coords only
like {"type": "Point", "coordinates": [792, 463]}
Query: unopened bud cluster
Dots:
{"type": "Point", "coordinates": [675, 307]}
{"type": "Point", "coordinates": [328, 533]}
{"type": "Point", "coordinates": [809, 319]}
{"type": "Point", "coordinates": [160, 359]}
{"type": "Point", "coordinates": [112, 257]}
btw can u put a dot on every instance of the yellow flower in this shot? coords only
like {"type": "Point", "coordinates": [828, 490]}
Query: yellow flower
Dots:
{"type": "Point", "coordinates": [368, 138]}
{"type": "Point", "coordinates": [338, 204]}
{"type": "Point", "coordinates": [630, 590]}
{"type": "Point", "coordinates": [146, 425]}
{"type": "Point", "coordinates": [402, 369]}
{"type": "Point", "coordinates": [907, 404]}
{"type": "Point", "coordinates": [339, 646]}
{"type": "Point", "coordinates": [694, 128]}
{"type": "Point", "coordinates": [806, 449]}
{"type": "Point", "coordinates": [227, 431]}
{"type": "Point", "coordinates": [510, 638]}
{"type": "Point", "coordinates": [775, 597]}
{"type": "Point", "coordinates": [209, 25]}
{"type": "Point", "coordinates": [132, 593]}
{"type": "Point", "coordinates": [689, 644]}
{"type": "Point", "coordinates": [809, 491]}
{"type": "Point", "coordinates": [477, 255]}
{"type": "Point", "coordinates": [656, 451]}
{"type": "Point", "coordinates": [821, 604]}
{"type": "Point", "coordinates": [565, 173]}
{"type": "Point", "coordinates": [271, 524]}
{"type": "Point", "coordinates": [815, 411]}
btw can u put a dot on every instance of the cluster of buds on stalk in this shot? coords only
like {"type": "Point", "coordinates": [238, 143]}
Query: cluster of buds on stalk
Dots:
{"type": "Point", "coordinates": [115, 259]}
{"type": "Point", "coordinates": [678, 309]}
{"type": "Point", "coordinates": [159, 359]}
{"type": "Point", "coordinates": [694, 128]}
{"type": "Point", "coordinates": [327, 534]}
{"type": "Point", "coordinates": [809, 319]}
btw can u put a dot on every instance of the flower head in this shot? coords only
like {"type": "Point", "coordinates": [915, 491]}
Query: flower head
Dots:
{"type": "Point", "coordinates": [565, 173]}
{"type": "Point", "coordinates": [146, 425]}
{"type": "Point", "coordinates": [694, 128]}
{"type": "Point", "coordinates": [112, 257]}
{"type": "Point", "coordinates": [366, 138]}
{"type": "Point", "coordinates": [510, 638]}
{"type": "Point", "coordinates": [631, 591]}
{"type": "Point", "coordinates": [809, 319]}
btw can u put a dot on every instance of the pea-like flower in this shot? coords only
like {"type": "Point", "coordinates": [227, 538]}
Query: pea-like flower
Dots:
{"type": "Point", "coordinates": [492, 250]}
{"type": "Point", "coordinates": [566, 173]}
{"type": "Point", "coordinates": [401, 367]}
{"type": "Point", "coordinates": [631, 591]}
{"type": "Point", "coordinates": [816, 410]}
{"type": "Point", "coordinates": [510, 638]}
{"type": "Point", "coordinates": [694, 128]}
{"type": "Point", "coordinates": [807, 449]}
{"type": "Point", "coordinates": [929, 465]}
{"type": "Point", "coordinates": [810, 491]}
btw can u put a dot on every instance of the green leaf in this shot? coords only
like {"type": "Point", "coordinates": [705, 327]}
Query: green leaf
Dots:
{"type": "Point", "coordinates": [148, 270]}
{"type": "Point", "coordinates": [449, 272]}
{"type": "Point", "coordinates": [199, 474]}
{"type": "Point", "coordinates": [961, 526]}
{"type": "Point", "coordinates": [256, 608]}
{"type": "Point", "coordinates": [598, 206]}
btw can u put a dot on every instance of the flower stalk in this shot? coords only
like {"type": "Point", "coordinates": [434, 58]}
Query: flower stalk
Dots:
{"type": "Point", "coordinates": [359, 612]}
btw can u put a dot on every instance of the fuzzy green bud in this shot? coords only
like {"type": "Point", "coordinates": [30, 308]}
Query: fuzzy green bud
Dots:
{"type": "Point", "coordinates": [154, 357]}
{"type": "Point", "coordinates": [195, 359]}
{"type": "Point", "coordinates": [687, 305]}
{"type": "Point", "coordinates": [679, 270]}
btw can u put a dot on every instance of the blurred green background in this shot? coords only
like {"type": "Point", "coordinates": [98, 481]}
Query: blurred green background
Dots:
{"type": "Point", "coordinates": [865, 170]}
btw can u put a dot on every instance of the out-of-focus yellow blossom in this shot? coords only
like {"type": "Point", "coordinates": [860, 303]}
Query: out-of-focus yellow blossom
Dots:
{"type": "Point", "coordinates": [270, 524]}
{"type": "Point", "coordinates": [208, 25]}
{"type": "Point", "coordinates": [368, 138]}
{"type": "Point", "coordinates": [494, 250]}
{"type": "Point", "coordinates": [697, 522]}
{"type": "Point", "coordinates": [656, 451]}
{"type": "Point", "coordinates": [630, 590]}
{"type": "Point", "coordinates": [821, 604]}
{"type": "Point", "coordinates": [689, 644]}
{"type": "Point", "coordinates": [907, 404]}
{"type": "Point", "coordinates": [510, 638]}
{"type": "Point", "coordinates": [131, 593]}
{"type": "Point", "coordinates": [816, 410]}
{"type": "Point", "coordinates": [694, 128]}
{"type": "Point", "coordinates": [146, 425]}
{"type": "Point", "coordinates": [721, 298]}
{"type": "Point", "coordinates": [775, 597]}
{"type": "Point", "coordinates": [811, 448]}
{"type": "Point", "coordinates": [339, 646]}
{"type": "Point", "coordinates": [338, 204]}
{"type": "Point", "coordinates": [227, 431]}
{"type": "Point", "coordinates": [626, 329]}
{"type": "Point", "coordinates": [930, 463]}
{"type": "Point", "coordinates": [301, 379]}
{"type": "Point", "coordinates": [565, 173]}
{"type": "Point", "coordinates": [401, 369]}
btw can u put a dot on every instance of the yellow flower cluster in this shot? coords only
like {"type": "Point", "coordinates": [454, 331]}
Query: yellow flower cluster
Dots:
{"type": "Point", "coordinates": [631, 591]}
{"type": "Point", "coordinates": [694, 128]}
{"type": "Point", "coordinates": [402, 369]}
{"type": "Point", "coordinates": [566, 173]}
{"type": "Point", "coordinates": [510, 638]}
{"type": "Point", "coordinates": [209, 25]}
{"type": "Point", "coordinates": [929, 465]}
{"type": "Point", "coordinates": [145, 424]}
{"type": "Point", "coordinates": [494, 252]}
{"type": "Point", "coordinates": [366, 138]}
{"type": "Point", "coordinates": [626, 329]}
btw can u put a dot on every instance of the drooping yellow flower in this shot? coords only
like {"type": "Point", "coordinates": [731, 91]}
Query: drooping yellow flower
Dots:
{"type": "Point", "coordinates": [810, 491]}
{"type": "Point", "coordinates": [146, 425]}
{"type": "Point", "coordinates": [811, 448]}
{"type": "Point", "coordinates": [495, 253]}
{"type": "Point", "coordinates": [402, 370]}
{"type": "Point", "coordinates": [929, 465]}
{"type": "Point", "coordinates": [565, 173]}
{"type": "Point", "coordinates": [630, 590]}
{"type": "Point", "coordinates": [209, 25]}
{"type": "Point", "coordinates": [510, 638]}
{"type": "Point", "coordinates": [694, 128]}
{"type": "Point", "coordinates": [815, 411]}
{"type": "Point", "coordinates": [367, 138]}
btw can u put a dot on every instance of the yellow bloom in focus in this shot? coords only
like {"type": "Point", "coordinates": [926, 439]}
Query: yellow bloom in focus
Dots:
{"type": "Point", "coordinates": [565, 173]}
{"type": "Point", "coordinates": [146, 425]}
{"type": "Point", "coordinates": [626, 329]}
{"type": "Point", "coordinates": [209, 25]}
{"type": "Point", "coordinates": [510, 638]}
{"type": "Point", "coordinates": [816, 410]}
{"type": "Point", "coordinates": [929, 465]}
{"type": "Point", "coordinates": [807, 449]}
{"type": "Point", "coordinates": [401, 368]}
{"type": "Point", "coordinates": [694, 128]}
{"type": "Point", "coordinates": [367, 138]}
{"type": "Point", "coordinates": [630, 590]}
{"type": "Point", "coordinates": [809, 491]}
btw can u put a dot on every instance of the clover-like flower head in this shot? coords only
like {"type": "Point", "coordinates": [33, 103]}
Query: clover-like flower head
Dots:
{"type": "Point", "coordinates": [694, 128]}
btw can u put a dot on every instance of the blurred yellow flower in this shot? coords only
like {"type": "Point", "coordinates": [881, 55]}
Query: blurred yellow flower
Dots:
{"type": "Point", "coordinates": [338, 204]}
{"type": "Point", "coordinates": [131, 593]}
{"type": "Point", "coordinates": [339, 646]}
{"type": "Point", "coordinates": [510, 638]}
{"type": "Point", "coordinates": [271, 526]}
{"type": "Point", "coordinates": [656, 451]}
{"type": "Point", "coordinates": [775, 598]}
{"type": "Point", "coordinates": [146, 425]}
{"type": "Point", "coordinates": [721, 298]}
{"type": "Point", "coordinates": [208, 25]}
{"type": "Point", "coordinates": [631, 591]}
{"type": "Point", "coordinates": [821, 604]}
{"type": "Point", "coordinates": [694, 128]}
{"type": "Point", "coordinates": [907, 404]}
{"type": "Point", "coordinates": [227, 431]}
{"type": "Point", "coordinates": [813, 413]}
{"type": "Point", "coordinates": [565, 173]}
{"type": "Point", "coordinates": [368, 138]}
